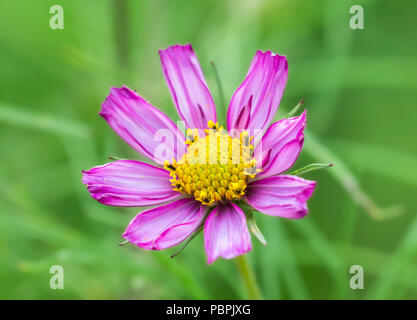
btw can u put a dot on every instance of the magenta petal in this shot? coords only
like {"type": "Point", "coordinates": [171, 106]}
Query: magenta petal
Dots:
{"type": "Point", "coordinates": [280, 146]}
{"type": "Point", "coordinates": [284, 159]}
{"type": "Point", "coordinates": [141, 125]}
{"type": "Point", "coordinates": [165, 226]}
{"type": "Point", "coordinates": [226, 233]}
{"type": "Point", "coordinates": [187, 85]}
{"type": "Point", "coordinates": [282, 196]}
{"type": "Point", "coordinates": [255, 102]}
{"type": "Point", "coordinates": [128, 183]}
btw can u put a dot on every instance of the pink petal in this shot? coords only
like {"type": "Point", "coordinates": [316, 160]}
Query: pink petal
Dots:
{"type": "Point", "coordinates": [226, 233]}
{"type": "Point", "coordinates": [282, 196]}
{"type": "Point", "coordinates": [280, 146]}
{"type": "Point", "coordinates": [187, 85]}
{"type": "Point", "coordinates": [255, 102]}
{"type": "Point", "coordinates": [128, 183]}
{"type": "Point", "coordinates": [166, 226]}
{"type": "Point", "coordinates": [141, 125]}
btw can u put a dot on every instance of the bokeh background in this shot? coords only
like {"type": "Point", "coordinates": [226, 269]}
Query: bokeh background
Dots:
{"type": "Point", "coordinates": [359, 87]}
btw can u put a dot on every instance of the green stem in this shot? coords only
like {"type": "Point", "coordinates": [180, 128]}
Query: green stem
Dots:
{"type": "Point", "coordinates": [248, 277]}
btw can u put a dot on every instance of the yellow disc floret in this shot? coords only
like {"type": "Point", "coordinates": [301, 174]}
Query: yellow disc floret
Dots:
{"type": "Point", "coordinates": [215, 168]}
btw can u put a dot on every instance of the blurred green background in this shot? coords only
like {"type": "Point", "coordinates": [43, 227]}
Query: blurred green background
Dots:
{"type": "Point", "coordinates": [359, 87]}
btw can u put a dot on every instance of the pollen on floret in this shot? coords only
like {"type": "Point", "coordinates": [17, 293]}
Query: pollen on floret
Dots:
{"type": "Point", "coordinates": [216, 168]}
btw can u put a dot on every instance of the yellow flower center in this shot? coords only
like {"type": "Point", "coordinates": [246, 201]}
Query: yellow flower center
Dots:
{"type": "Point", "coordinates": [215, 168]}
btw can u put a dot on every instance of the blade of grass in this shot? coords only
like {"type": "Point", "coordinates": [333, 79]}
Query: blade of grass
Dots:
{"type": "Point", "coordinates": [393, 268]}
{"type": "Point", "coordinates": [370, 259]}
{"type": "Point", "coordinates": [279, 264]}
{"type": "Point", "coordinates": [269, 262]}
{"type": "Point", "coordinates": [396, 165]}
{"type": "Point", "coordinates": [194, 289]}
{"type": "Point", "coordinates": [45, 122]}
{"type": "Point", "coordinates": [290, 273]}
{"type": "Point", "coordinates": [325, 249]}
{"type": "Point", "coordinates": [337, 41]}
{"type": "Point", "coordinates": [346, 178]}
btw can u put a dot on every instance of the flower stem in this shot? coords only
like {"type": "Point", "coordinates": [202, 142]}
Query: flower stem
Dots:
{"type": "Point", "coordinates": [248, 277]}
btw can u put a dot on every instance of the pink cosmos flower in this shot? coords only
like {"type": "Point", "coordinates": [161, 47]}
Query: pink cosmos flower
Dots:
{"type": "Point", "coordinates": [187, 187]}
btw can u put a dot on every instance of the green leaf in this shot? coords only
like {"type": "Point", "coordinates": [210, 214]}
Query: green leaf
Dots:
{"type": "Point", "coordinates": [48, 122]}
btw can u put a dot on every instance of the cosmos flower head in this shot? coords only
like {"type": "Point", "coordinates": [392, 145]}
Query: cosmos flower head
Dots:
{"type": "Point", "coordinates": [201, 176]}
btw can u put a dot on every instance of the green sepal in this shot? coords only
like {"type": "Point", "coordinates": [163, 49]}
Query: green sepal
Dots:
{"type": "Point", "coordinates": [311, 167]}
{"type": "Point", "coordinates": [254, 228]}
{"type": "Point", "coordinates": [188, 240]}
{"type": "Point", "coordinates": [250, 219]}
{"type": "Point", "coordinates": [294, 110]}
{"type": "Point", "coordinates": [115, 158]}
